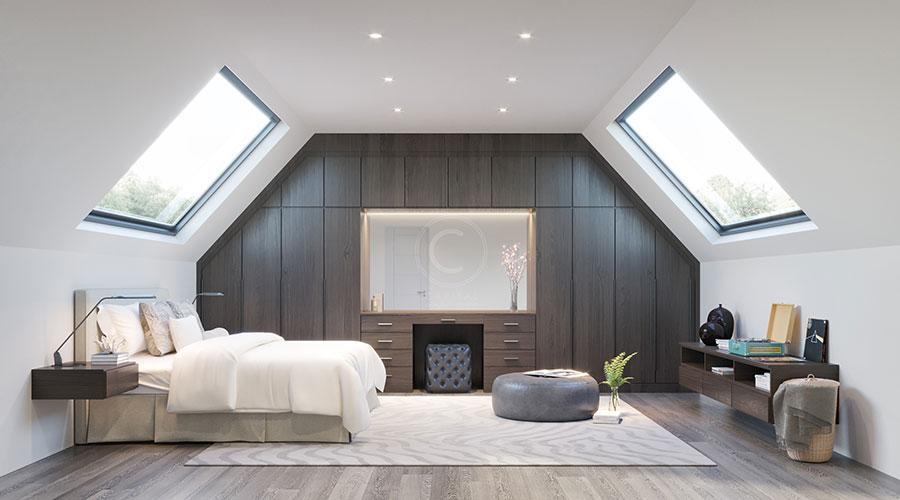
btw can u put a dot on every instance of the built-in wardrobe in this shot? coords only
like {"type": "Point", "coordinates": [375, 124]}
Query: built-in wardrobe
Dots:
{"type": "Point", "coordinates": [609, 276]}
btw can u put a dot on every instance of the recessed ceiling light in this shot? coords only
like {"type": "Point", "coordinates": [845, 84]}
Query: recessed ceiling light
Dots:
{"type": "Point", "coordinates": [398, 110]}
{"type": "Point", "coordinates": [502, 110]}
{"type": "Point", "coordinates": [525, 36]}
{"type": "Point", "coordinates": [512, 79]}
{"type": "Point", "coordinates": [389, 79]}
{"type": "Point", "coordinates": [375, 36]}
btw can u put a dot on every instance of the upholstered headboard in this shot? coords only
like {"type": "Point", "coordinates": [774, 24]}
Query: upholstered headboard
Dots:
{"type": "Point", "coordinates": [85, 299]}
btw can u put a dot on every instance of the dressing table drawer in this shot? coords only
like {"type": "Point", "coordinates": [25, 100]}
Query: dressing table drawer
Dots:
{"type": "Point", "coordinates": [508, 323]}
{"type": "Point", "coordinates": [524, 358]}
{"type": "Point", "coordinates": [385, 323]}
{"type": "Point", "coordinates": [395, 357]}
{"type": "Point", "coordinates": [399, 379]}
{"type": "Point", "coordinates": [388, 340]}
{"type": "Point", "coordinates": [509, 341]}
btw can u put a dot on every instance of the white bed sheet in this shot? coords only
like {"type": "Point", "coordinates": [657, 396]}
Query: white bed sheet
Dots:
{"type": "Point", "coordinates": [154, 373]}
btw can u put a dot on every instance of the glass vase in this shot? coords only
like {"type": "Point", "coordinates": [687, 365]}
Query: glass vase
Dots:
{"type": "Point", "coordinates": [613, 399]}
{"type": "Point", "coordinates": [514, 296]}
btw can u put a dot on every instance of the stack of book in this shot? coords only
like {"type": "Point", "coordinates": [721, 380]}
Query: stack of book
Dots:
{"type": "Point", "coordinates": [109, 358]}
{"type": "Point", "coordinates": [723, 370]}
{"type": "Point", "coordinates": [722, 343]}
{"type": "Point", "coordinates": [764, 381]}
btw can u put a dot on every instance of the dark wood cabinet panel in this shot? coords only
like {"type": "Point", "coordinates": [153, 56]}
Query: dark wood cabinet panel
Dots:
{"type": "Point", "coordinates": [635, 294]}
{"type": "Point", "coordinates": [274, 199]}
{"type": "Point", "coordinates": [469, 181]}
{"type": "Point", "coordinates": [261, 257]}
{"type": "Point", "coordinates": [512, 181]}
{"type": "Point", "coordinates": [554, 274]}
{"type": "Point", "coordinates": [622, 199]}
{"type": "Point", "coordinates": [342, 279]}
{"type": "Point", "coordinates": [342, 181]}
{"type": "Point", "coordinates": [305, 187]}
{"type": "Point", "coordinates": [593, 274]}
{"type": "Point", "coordinates": [426, 181]}
{"type": "Point", "coordinates": [382, 181]}
{"type": "Point", "coordinates": [553, 181]}
{"type": "Point", "coordinates": [303, 274]}
{"type": "Point", "coordinates": [591, 187]}
{"type": "Point", "coordinates": [223, 274]}
{"type": "Point", "coordinates": [674, 307]}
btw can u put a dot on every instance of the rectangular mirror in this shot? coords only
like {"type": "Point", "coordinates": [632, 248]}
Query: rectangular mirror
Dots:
{"type": "Point", "coordinates": [444, 260]}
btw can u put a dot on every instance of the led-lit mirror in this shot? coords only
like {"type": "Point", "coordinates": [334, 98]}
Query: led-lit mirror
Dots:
{"type": "Point", "coordinates": [446, 261]}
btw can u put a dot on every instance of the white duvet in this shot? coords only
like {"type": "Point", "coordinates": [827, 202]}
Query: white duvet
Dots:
{"type": "Point", "coordinates": [261, 372]}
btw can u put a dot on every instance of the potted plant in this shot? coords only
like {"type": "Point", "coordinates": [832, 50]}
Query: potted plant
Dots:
{"type": "Point", "coordinates": [613, 370]}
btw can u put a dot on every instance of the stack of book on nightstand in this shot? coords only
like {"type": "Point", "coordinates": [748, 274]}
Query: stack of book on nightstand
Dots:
{"type": "Point", "coordinates": [723, 370]}
{"type": "Point", "coordinates": [109, 358]}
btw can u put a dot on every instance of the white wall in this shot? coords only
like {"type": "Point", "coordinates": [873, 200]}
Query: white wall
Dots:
{"type": "Point", "coordinates": [856, 290]}
{"type": "Point", "coordinates": [37, 304]}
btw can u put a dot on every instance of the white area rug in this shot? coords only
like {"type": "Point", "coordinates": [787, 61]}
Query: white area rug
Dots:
{"type": "Point", "coordinates": [463, 430]}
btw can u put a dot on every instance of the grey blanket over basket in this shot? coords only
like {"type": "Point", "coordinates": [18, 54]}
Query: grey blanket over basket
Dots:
{"type": "Point", "coordinates": [803, 407]}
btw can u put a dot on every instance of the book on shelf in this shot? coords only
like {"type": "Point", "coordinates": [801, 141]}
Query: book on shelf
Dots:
{"type": "Point", "coordinates": [109, 358]}
{"type": "Point", "coordinates": [722, 370]}
{"type": "Point", "coordinates": [763, 381]}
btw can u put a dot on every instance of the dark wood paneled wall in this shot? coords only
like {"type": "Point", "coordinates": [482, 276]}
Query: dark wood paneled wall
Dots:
{"type": "Point", "coordinates": [610, 276]}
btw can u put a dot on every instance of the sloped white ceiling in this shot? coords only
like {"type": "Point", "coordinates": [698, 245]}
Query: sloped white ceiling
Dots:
{"type": "Point", "coordinates": [810, 88]}
{"type": "Point", "coordinates": [87, 86]}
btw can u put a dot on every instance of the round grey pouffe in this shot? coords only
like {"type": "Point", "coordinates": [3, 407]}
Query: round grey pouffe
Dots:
{"type": "Point", "coordinates": [543, 399]}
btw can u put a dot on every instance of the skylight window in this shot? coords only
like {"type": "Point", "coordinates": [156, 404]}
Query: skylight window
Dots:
{"type": "Point", "coordinates": [193, 156]}
{"type": "Point", "coordinates": [707, 163]}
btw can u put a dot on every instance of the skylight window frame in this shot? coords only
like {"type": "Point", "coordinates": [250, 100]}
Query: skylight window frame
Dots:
{"type": "Point", "coordinates": [139, 223]}
{"type": "Point", "coordinates": [781, 219]}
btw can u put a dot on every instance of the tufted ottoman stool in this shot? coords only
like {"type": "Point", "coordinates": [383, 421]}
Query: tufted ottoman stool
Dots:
{"type": "Point", "coordinates": [543, 399]}
{"type": "Point", "coordinates": [448, 368]}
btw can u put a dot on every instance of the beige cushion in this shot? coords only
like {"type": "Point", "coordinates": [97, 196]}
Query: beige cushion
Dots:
{"type": "Point", "coordinates": [155, 320]}
{"type": "Point", "coordinates": [184, 331]}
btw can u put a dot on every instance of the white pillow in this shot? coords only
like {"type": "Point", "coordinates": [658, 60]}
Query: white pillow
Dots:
{"type": "Point", "coordinates": [215, 332]}
{"type": "Point", "coordinates": [184, 331]}
{"type": "Point", "coordinates": [117, 321]}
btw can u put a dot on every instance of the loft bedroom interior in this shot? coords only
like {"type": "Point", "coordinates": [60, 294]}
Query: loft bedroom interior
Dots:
{"type": "Point", "coordinates": [422, 251]}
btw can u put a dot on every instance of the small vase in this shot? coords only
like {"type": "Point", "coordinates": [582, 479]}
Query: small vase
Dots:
{"type": "Point", "coordinates": [514, 297]}
{"type": "Point", "coordinates": [613, 399]}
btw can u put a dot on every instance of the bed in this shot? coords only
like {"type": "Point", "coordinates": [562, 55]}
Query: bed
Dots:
{"type": "Point", "coordinates": [303, 391]}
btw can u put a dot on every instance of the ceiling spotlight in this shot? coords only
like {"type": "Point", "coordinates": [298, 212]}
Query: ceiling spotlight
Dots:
{"type": "Point", "coordinates": [388, 79]}
{"type": "Point", "coordinates": [502, 110]}
{"type": "Point", "coordinates": [523, 36]}
{"type": "Point", "coordinates": [398, 110]}
{"type": "Point", "coordinates": [375, 36]}
{"type": "Point", "coordinates": [512, 79]}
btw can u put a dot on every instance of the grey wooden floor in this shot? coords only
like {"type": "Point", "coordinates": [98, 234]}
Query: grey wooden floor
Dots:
{"type": "Point", "coordinates": [749, 466]}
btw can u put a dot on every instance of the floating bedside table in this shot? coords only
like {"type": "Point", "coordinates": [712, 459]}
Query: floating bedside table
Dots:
{"type": "Point", "coordinates": [83, 382]}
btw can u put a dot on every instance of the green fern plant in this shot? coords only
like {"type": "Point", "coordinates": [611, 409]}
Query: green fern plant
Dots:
{"type": "Point", "coordinates": [613, 370]}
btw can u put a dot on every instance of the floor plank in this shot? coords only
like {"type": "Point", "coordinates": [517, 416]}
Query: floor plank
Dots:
{"type": "Point", "coordinates": [749, 466]}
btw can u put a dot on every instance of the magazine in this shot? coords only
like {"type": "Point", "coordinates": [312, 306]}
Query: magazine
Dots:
{"type": "Point", "coordinates": [558, 373]}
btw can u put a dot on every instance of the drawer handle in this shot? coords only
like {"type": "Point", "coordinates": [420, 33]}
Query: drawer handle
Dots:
{"type": "Point", "coordinates": [385, 324]}
{"type": "Point", "coordinates": [512, 323]}
{"type": "Point", "coordinates": [510, 359]}
{"type": "Point", "coordinates": [510, 341]}
{"type": "Point", "coordinates": [388, 375]}
{"type": "Point", "coordinates": [386, 359]}
{"type": "Point", "coordinates": [380, 341]}
{"type": "Point", "coordinates": [448, 320]}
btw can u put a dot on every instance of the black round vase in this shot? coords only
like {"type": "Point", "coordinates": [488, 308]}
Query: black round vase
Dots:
{"type": "Point", "coordinates": [710, 332]}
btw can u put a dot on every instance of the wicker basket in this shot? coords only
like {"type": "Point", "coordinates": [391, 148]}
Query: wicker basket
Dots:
{"type": "Point", "coordinates": [821, 446]}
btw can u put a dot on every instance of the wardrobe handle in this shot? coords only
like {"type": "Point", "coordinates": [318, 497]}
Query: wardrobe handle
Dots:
{"type": "Point", "coordinates": [511, 324]}
{"type": "Point", "coordinates": [385, 324]}
{"type": "Point", "coordinates": [510, 341]}
{"type": "Point", "coordinates": [380, 341]}
{"type": "Point", "coordinates": [448, 320]}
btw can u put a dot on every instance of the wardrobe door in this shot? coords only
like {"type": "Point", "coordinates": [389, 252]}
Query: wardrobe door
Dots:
{"type": "Point", "coordinates": [591, 187]}
{"type": "Point", "coordinates": [261, 258]}
{"type": "Point", "coordinates": [303, 274]}
{"type": "Point", "coordinates": [469, 181]}
{"type": "Point", "coordinates": [553, 176]}
{"type": "Point", "coordinates": [512, 181]}
{"type": "Point", "coordinates": [342, 181]}
{"type": "Point", "coordinates": [342, 267]}
{"type": "Point", "coordinates": [222, 273]}
{"type": "Point", "coordinates": [426, 181]}
{"type": "Point", "coordinates": [305, 187]}
{"type": "Point", "coordinates": [594, 272]}
{"type": "Point", "coordinates": [554, 278]}
{"type": "Point", "coordinates": [382, 182]}
{"type": "Point", "coordinates": [674, 306]}
{"type": "Point", "coordinates": [635, 293]}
